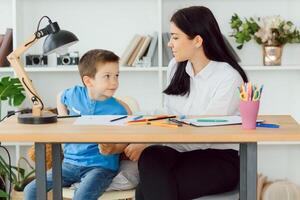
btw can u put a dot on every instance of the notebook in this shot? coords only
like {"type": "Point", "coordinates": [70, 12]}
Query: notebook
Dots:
{"type": "Point", "coordinates": [212, 121]}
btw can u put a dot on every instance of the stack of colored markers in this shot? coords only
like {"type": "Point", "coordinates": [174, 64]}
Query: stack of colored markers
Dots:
{"type": "Point", "coordinates": [249, 92]}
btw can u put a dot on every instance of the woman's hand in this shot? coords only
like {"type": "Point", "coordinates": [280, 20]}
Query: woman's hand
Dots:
{"type": "Point", "coordinates": [134, 151]}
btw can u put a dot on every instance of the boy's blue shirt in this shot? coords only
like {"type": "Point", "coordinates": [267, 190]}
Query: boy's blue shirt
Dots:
{"type": "Point", "coordinates": [77, 101]}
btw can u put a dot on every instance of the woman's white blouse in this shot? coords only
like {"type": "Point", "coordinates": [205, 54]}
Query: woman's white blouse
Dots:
{"type": "Point", "coordinates": [213, 91]}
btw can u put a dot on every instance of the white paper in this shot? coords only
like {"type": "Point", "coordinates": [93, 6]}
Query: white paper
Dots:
{"type": "Point", "coordinates": [230, 121]}
{"type": "Point", "coordinates": [102, 120]}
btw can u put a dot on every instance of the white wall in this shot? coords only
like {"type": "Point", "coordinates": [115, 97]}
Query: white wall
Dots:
{"type": "Point", "coordinates": [97, 23]}
{"type": "Point", "coordinates": [6, 20]}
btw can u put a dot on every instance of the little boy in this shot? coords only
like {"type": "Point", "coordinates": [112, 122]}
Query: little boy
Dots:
{"type": "Point", "coordinates": [99, 71]}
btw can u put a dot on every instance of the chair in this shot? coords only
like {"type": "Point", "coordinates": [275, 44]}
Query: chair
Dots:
{"type": "Point", "coordinates": [131, 102]}
{"type": "Point", "coordinates": [122, 186]}
{"type": "Point", "coordinates": [110, 195]}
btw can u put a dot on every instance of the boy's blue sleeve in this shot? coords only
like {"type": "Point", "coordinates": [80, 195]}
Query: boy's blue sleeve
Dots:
{"type": "Point", "coordinates": [66, 96]}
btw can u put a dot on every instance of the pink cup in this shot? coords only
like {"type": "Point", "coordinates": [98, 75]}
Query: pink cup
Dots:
{"type": "Point", "coordinates": [249, 111]}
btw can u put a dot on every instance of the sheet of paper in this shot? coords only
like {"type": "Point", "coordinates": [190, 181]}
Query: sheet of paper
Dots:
{"type": "Point", "coordinates": [102, 120]}
{"type": "Point", "coordinates": [230, 120]}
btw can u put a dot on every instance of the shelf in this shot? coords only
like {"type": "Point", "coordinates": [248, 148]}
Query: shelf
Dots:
{"type": "Point", "coordinates": [6, 69]}
{"type": "Point", "coordinates": [151, 69]}
{"type": "Point", "coordinates": [272, 68]}
{"type": "Point", "coordinates": [266, 68]}
{"type": "Point", "coordinates": [75, 69]}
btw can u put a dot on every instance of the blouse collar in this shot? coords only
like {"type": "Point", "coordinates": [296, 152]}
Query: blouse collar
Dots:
{"type": "Point", "coordinates": [204, 73]}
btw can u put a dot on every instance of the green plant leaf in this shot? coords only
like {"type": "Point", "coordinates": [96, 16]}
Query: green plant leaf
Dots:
{"type": "Point", "coordinates": [240, 46]}
{"type": "Point", "coordinates": [19, 177]}
{"type": "Point", "coordinates": [3, 194]}
{"type": "Point", "coordinates": [12, 90]}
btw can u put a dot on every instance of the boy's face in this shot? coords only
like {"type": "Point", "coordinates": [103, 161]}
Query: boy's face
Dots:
{"type": "Point", "coordinates": [106, 81]}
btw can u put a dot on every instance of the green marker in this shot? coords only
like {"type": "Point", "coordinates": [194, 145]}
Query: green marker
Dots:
{"type": "Point", "coordinates": [212, 120]}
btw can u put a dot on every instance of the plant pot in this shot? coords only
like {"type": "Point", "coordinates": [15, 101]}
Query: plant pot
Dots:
{"type": "Point", "coordinates": [272, 55]}
{"type": "Point", "coordinates": [19, 195]}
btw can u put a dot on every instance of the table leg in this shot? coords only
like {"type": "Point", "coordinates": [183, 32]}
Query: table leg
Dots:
{"type": "Point", "coordinates": [248, 171]}
{"type": "Point", "coordinates": [56, 171]}
{"type": "Point", "coordinates": [40, 171]}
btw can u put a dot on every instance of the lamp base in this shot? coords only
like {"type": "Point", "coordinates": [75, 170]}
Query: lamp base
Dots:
{"type": "Point", "coordinates": [45, 118]}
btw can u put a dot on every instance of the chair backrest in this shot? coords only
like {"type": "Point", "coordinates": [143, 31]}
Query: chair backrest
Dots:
{"type": "Point", "coordinates": [131, 102]}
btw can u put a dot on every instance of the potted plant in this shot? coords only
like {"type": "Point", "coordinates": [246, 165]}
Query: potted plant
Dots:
{"type": "Point", "coordinates": [11, 90]}
{"type": "Point", "coordinates": [17, 176]}
{"type": "Point", "coordinates": [3, 194]}
{"type": "Point", "coordinates": [272, 32]}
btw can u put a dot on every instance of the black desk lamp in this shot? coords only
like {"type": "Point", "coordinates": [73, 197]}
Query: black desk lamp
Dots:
{"type": "Point", "coordinates": [57, 41]}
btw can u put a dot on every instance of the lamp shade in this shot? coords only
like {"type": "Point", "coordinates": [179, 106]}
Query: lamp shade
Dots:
{"type": "Point", "coordinates": [58, 42]}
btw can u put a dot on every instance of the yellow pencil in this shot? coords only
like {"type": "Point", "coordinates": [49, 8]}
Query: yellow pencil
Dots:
{"type": "Point", "coordinates": [138, 123]}
{"type": "Point", "coordinates": [165, 125]}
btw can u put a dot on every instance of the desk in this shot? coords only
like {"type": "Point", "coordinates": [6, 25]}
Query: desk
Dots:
{"type": "Point", "coordinates": [65, 132]}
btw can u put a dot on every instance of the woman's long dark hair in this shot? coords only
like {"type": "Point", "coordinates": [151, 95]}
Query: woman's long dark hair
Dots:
{"type": "Point", "coordinates": [199, 20]}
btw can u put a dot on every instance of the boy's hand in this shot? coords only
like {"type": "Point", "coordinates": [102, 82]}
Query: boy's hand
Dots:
{"type": "Point", "coordinates": [106, 149]}
{"type": "Point", "coordinates": [134, 151]}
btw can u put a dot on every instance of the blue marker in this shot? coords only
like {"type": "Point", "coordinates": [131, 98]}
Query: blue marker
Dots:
{"type": "Point", "coordinates": [263, 125]}
{"type": "Point", "coordinates": [182, 117]}
{"type": "Point", "coordinates": [138, 117]}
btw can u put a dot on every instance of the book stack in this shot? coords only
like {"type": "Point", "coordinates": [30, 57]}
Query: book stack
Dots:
{"type": "Point", "coordinates": [141, 51]}
{"type": "Point", "coordinates": [167, 52]}
{"type": "Point", "coordinates": [6, 47]}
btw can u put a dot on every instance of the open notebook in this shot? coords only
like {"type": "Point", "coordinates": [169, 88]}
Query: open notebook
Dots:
{"type": "Point", "coordinates": [213, 121]}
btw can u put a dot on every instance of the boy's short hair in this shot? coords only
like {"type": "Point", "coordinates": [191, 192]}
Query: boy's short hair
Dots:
{"type": "Point", "coordinates": [89, 61]}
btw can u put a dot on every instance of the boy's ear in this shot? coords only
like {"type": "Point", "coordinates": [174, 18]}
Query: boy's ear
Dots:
{"type": "Point", "coordinates": [87, 81]}
{"type": "Point", "coordinates": [198, 41]}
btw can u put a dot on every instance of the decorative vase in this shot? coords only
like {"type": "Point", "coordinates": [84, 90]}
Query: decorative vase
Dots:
{"type": "Point", "coordinates": [272, 55]}
{"type": "Point", "coordinates": [19, 195]}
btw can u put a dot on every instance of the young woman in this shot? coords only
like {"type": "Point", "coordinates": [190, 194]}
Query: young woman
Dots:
{"type": "Point", "coordinates": [202, 80]}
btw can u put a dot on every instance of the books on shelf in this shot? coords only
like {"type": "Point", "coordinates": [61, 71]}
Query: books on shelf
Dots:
{"type": "Point", "coordinates": [136, 51]}
{"type": "Point", "coordinates": [150, 59]}
{"type": "Point", "coordinates": [141, 51]}
{"type": "Point", "coordinates": [138, 59]}
{"type": "Point", "coordinates": [1, 39]}
{"type": "Point", "coordinates": [167, 52]}
{"type": "Point", "coordinates": [6, 47]}
{"type": "Point", "coordinates": [130, 49]}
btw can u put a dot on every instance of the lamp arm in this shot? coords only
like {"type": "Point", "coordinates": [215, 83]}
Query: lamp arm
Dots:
{"type": "Point", "coordinates": [14, 59]}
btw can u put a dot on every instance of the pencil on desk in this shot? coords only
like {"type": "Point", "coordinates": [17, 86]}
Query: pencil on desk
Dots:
{"type": "Point", "coordinates": [164, 125]}
{"type": "Point", "coordinates": [153, 119]}
{"type": "Point", "coordinates": [119, 118]}
{"type": "Point", "coordinates": [162, 117]}
{"type": "Point", "coordinates": [161, 124]}
{"type": "Point", "coordinates": [137, 123]}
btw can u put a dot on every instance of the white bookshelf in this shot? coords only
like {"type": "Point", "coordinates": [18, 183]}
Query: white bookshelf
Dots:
{"type": "Point", "coordinates": [265, 68]}
{"type": "Point", "coordinates": [112, 24]}
{"type": "Point", "coordinates": [75, 69]}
